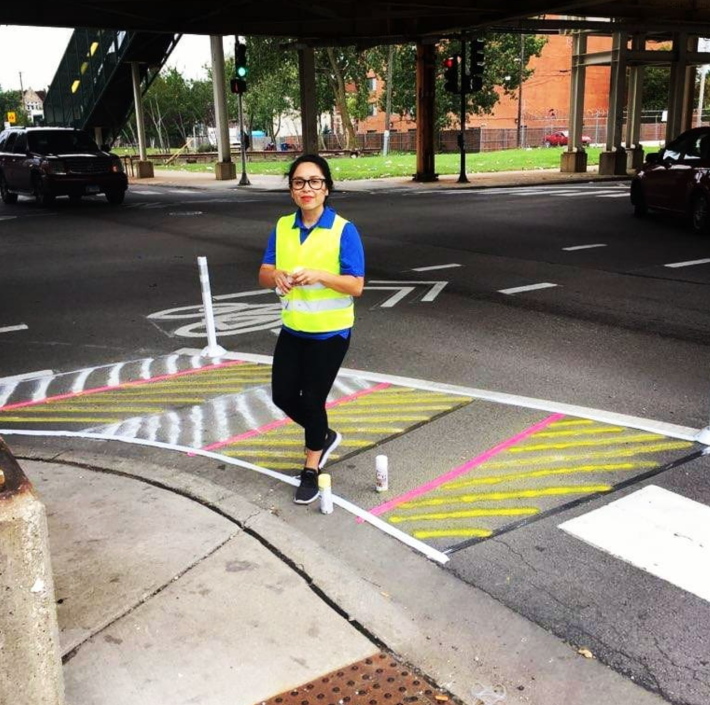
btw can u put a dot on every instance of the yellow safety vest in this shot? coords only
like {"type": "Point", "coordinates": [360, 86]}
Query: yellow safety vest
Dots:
{"type": "Point", "coordinates": [313, 308]}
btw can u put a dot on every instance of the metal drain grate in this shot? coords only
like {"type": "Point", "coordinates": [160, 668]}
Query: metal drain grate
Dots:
{"type": "Point", "coordinates": [378, 680]}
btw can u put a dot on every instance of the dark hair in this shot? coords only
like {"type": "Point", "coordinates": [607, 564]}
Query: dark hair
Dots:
{"type": "Point", "coordinates": [316, 159]}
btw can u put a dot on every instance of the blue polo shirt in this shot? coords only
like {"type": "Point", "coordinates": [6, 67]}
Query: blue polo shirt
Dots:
{"type": "Point", "coordinates": [352, 258]}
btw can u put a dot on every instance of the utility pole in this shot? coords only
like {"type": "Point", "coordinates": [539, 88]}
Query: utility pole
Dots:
{"type": "Point", "coordinates": [520, 91]}
{"type": "Point", "coordinates": [462, 136]}
{"type": "Point", "coordinates": [244, 181]}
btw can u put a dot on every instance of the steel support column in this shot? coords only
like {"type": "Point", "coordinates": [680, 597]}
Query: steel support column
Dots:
{"type": "Point", "coordinates": [309, 118]}
{"type": "Point", "coordinates": [633, 126]}
{"type": "Point", "coordinates": [680, 100]}
{"type": "Point", "coordinates": [574, 158]}
{"type": "Point", "coordinates": [426, 77]}
{"type": "Point", "coordinates": [224, 169]}
{"type": "Point", "coordinates": [144, 168]}
{"type": "Point", "coordinates": [613, 160]}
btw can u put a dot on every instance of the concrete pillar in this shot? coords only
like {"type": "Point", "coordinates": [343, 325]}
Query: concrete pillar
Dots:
{"type": "Point", "coordinates": [30, 659]}
{"type": "Point", "coordinates": [426, 86]}
{"type": "Point", "coordinates": [613, 160]}
{"type": "Point", "coordinates": [309, 117]}
{"type": "Point", "coordinates": [144, 168]}
{"type": "Point", "coordinates": [680, 99]}
{"type": "Point", "coordinates": [225, 169]}
{"type": "Point", "coordinates": [634, 150]}
{"type": "Point", "coordinates": [574, 158]}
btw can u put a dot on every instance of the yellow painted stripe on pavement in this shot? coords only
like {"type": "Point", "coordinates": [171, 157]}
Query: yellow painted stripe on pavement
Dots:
{"type": "Point", "coordinates": [594, 455]}
{"type": "Point", "coordinates": [499, 496]}
{"type": "Point", "coordinates": [465, 514]}
{"type": "Point", "coordinates": [357, 419]}
{"type": "Point", "coordinates": [580, 432]}
{"type": "Point", "coordinates": [280, 442]}
{"type": "Point", "coordinates": [452, 533]}
{"type": "Point", "coordinates": [640, 438]}
{"type": "Point", "coordinates": [546, 472]}
{"type": "Point", "coordinates": [571, 422]}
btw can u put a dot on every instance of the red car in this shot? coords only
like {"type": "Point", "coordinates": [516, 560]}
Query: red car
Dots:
{"type": "Point", "coordinates": [677, 180]}
{"type": "Point", "coordinates": [561, 138]}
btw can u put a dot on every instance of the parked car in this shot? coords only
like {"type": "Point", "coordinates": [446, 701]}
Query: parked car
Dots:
{"type": "Point", "coordinates": [57, 161]}
{"type": "Point", "coordinates": [676, 179]}
{"type": "Point", "coordinates": [561, 139]}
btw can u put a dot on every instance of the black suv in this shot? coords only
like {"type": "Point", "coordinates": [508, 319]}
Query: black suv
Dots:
{"type": "Point", "coordinates": [57, 161]}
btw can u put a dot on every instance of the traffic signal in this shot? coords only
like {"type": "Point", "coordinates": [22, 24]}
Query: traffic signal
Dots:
{"type": "Point", "coordinates": [451, 74]}
{"type": "Point", "coordinates": [240, 60]}
{"type": "Point", "coordinates": [478, 63]}
{"type": "Point", "coordinates": [238, 85]}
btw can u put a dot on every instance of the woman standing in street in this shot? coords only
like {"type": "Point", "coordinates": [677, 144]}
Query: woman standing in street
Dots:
{"type": "Point", "coordinates": [315, 261]}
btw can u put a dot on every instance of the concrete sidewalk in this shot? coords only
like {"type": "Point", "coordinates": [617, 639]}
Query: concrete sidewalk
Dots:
{"type": "Point", "coordinates": [263, 182]}
{"type": "Point", "coordinates": [175, 590]}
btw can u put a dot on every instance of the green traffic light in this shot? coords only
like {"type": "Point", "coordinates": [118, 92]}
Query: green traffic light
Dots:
{"type": "Point", "coordinates": [242, 71]}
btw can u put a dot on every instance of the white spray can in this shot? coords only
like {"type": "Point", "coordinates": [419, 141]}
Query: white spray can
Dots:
{"type": "Point", "coordinates": [326, 495]}
{"type": "Point", "coordinates": [381, 473]}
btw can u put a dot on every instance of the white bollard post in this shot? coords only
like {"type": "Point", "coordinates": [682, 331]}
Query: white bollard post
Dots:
{"type": "Point", "coordinates": [212, 349]}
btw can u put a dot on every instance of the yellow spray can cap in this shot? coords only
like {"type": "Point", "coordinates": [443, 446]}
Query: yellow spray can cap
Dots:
{"type": "Point", "coordinates": [323, 480]}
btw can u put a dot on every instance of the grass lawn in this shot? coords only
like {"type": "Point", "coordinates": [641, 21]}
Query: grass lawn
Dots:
{"type": "Point", "coordinates": [373, 167]}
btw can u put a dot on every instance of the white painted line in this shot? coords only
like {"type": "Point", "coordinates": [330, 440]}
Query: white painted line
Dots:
{"type": "Point", "coordinates": [184, 192]}
{"type": "Point", "coordinates": [690, 263]}
{"type": "Point", "coordinates": [685, 433]}
{"type": "Point", "coordinates": [614, 195]}
{"type": "Point", "coordinates": [529, 287]}
{"type": "Point", "coordinates": [26, 375]}
{"type": "Point", "coordinates": [8, 217]}
{"type": "Point", "coordinates": [146, 192]}
{"type": "Point", "coordinates": [583, 247]}
{"type": "Point", "coordinates": [8, 329]}
{"type": "Point", "coordinates": [591, 193]}
{"type": "Point", "coordinates": [438, 266]}
{"type": "Point", "coordinates": [420, 546]}
{"type": "Point", "coordinates": [661, 532]}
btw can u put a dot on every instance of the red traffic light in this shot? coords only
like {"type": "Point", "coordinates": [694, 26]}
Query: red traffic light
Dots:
{"type": "Point", "coordinates": [449, 62]}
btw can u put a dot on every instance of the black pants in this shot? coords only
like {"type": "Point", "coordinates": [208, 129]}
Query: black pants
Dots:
{"type": "Point", "coordinates": [301, 377]}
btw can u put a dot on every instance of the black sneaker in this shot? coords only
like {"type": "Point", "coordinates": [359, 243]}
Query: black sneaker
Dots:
{"type": "Point", "coordinates": [332, 441]}
{"type": "Point", "coordinates": [308, 489]}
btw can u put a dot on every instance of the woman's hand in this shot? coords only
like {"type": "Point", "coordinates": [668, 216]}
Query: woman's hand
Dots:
{"type": "Point", "coordinates": [307, 276]}
{"type": "Point", "coordinates": [283, 281]}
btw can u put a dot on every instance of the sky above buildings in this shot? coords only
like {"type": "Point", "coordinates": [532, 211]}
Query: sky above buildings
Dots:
{"type": "Point", "coordinates": [37, 51]}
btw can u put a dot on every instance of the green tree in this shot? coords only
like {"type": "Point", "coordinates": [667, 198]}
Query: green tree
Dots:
{"type": "Point", "coordinates": [11, 102]}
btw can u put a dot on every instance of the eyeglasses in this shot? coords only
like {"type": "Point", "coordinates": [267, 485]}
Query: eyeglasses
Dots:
{"type": "Point", "coordinates": [315, 184]}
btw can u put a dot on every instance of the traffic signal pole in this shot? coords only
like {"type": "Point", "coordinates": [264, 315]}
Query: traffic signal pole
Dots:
{"type": "Point", "coordinates": [462, 135]}
{"type": "Point", "coordinates": [244, 181]}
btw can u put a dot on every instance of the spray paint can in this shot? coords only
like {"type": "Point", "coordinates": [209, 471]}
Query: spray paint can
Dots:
{"type": "Point", "coordinates": [326, 495]}
{"type": "Point", "coordinates": [381, 473]}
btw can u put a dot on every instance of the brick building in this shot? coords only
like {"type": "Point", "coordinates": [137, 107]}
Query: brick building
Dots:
{"type": "Point", "coordinates": [545, 95]}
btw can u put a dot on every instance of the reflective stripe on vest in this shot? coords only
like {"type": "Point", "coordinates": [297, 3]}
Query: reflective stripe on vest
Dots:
{"type": "Point", "coordinates": [313, 308]}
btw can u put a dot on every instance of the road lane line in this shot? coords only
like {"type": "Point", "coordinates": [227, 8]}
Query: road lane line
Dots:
{"type": "Point", "coordinates": [658, 531]}
{"type": "Point", "coordinates": [529, 287]}
{"type": "Point", "coordinates": [9, 329]}
{"type": "Point", "coordinates": [583, 247]}
{"type": "Point", "coordinates": [438, 266]}
{"type": "Point", "coordinates": [689, 263]}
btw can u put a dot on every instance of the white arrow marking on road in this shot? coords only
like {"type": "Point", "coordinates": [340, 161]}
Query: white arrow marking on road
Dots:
{"type": "Point", "coordinates": [8, 329]}
{"type": "Point", "coordinates": [438, 266]}
{"type": "Point", "coordinates": [529, 287]}
{"type": "Point", "coordinates": [406, 287]}
{"type": "Point", "coordinates": [582, 247]}
{"type": "Point", "coordinates": [690, 263]}
{"type": "Point", "coordinates": [402, 291]}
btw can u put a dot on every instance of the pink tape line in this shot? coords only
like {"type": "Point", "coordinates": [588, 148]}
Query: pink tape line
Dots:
{"type": "Point", "coordinates": [136, 383]}
{"type": "Point", "coordinates": [284, 422]}
{"type": "Point", "coordinates": [468, 465]}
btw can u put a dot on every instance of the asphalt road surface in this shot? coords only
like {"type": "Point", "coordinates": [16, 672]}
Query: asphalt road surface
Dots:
{"type": "Point", "coordinates": [554, 293]}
